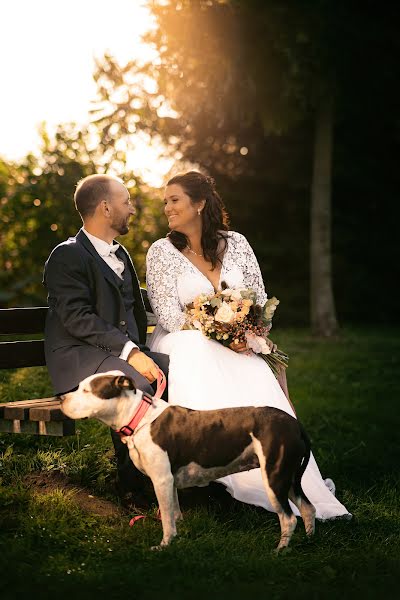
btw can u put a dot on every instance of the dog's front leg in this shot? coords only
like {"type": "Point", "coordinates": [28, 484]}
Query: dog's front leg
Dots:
{"type": "Point", "coordinates": [177, 508]}
{"type": "Point", "coordinates": [164, 489]}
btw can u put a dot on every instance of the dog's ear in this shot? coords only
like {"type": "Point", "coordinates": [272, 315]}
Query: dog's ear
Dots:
{"type": "Point", "coordinates": [124, 382]}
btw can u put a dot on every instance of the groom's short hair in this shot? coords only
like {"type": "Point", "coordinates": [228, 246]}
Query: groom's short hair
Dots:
{"type": "Point", "coordinates": [90, 191]}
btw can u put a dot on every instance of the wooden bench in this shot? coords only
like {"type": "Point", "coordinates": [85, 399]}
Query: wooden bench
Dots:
{"type": "Point", "coordinates": [41, 416]}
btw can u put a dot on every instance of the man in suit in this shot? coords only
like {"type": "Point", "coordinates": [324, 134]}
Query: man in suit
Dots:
{"type": "Point", "coordinates": [97, 320]}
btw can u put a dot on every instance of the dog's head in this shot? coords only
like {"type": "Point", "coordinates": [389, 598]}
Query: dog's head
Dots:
{"type": "Point", "coordinates": [95, 394]}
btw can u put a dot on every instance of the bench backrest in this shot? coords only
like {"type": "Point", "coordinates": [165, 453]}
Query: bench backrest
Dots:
{"type": "Point", "coordinates": [22, 321]}
{"type": "Point", "coordinates": [26, 321]}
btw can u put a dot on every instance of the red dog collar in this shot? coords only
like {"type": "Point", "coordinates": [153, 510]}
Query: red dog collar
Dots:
{"type": "Point", "coordinates": [144, 406]}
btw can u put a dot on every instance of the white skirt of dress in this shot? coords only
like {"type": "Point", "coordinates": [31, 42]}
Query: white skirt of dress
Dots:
{"type": "Point", "coordinates": [204, 375]}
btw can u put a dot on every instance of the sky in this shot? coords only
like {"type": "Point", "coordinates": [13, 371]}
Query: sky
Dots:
{"type": "Point", "coordinates": [47, 51]}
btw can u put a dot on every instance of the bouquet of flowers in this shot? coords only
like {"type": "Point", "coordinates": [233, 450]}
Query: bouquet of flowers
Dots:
{"type": "Point", "coordinates": [233, 318]}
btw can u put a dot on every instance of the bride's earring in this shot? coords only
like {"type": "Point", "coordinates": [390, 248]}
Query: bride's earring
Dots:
{"type": "Point", "coordinates": [198, 211]}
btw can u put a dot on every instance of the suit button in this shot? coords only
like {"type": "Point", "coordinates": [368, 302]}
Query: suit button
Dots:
{"type": "Point", "coordinates": [122, 322]}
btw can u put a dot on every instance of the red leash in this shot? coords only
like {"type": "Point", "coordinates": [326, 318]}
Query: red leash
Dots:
{"type": "Point", "coordinates": [161, 383]}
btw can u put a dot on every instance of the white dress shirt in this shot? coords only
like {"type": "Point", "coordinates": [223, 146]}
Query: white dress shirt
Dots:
{"type": "Point", "coordinates": [107, 253]}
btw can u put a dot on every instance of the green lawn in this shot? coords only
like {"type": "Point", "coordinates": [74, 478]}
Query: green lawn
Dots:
{"type": "Point", "coordinates": [344, 392]}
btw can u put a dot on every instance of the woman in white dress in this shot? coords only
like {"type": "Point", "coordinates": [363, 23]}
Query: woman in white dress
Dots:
{"type": "Point", "coordinates": [196, 257]}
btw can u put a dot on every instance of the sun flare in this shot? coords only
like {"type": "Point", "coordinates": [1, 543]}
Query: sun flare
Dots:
{"type": "Point", "coordinates": [47, 76]}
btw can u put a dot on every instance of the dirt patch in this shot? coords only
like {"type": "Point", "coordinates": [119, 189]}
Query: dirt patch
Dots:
{"type": "Point", "coordinates": [46, 483]}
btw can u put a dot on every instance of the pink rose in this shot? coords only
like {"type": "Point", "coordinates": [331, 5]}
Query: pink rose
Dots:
{"type": "Point", "coordinates": [257, 343]}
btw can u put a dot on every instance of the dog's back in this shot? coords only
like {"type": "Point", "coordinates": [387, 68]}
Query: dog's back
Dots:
{"type": "Point", "coordinates": [217, 438]}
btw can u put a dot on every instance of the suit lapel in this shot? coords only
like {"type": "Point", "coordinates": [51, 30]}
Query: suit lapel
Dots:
{"type": "Point", "coordinates": [138, 308]}
{"type": "Point", "coordinates": [136, 284]}
{"type": "Point", "coordinates": [105, 269]}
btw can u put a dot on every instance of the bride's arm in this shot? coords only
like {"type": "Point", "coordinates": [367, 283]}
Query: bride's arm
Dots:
{"type": "Point", "coordinates": [161, 288]}
{"type": "Point", "coordinates": [251, 272]}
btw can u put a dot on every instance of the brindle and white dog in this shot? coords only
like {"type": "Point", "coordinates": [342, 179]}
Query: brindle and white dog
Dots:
{"type": "Point", "coordinates": [178, 447]}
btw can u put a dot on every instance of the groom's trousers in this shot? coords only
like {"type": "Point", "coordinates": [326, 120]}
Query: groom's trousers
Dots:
{"type": "Point", "coordinates": [129, 478]}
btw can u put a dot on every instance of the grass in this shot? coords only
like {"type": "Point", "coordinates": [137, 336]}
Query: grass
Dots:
{"type": "Point", "coordinates": [345, 392]}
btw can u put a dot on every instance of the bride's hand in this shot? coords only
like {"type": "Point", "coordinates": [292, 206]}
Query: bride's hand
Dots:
{"type": "Point", "coordinates": [241, 347]}
{"type": "Point", "coordinates": [271, 345]}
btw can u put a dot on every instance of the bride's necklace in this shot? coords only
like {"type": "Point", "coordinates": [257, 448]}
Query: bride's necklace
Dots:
{"type": "Point", "coordinates": [193, 252]}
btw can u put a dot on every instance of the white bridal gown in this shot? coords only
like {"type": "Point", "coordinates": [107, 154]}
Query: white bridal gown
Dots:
{"type": "Point", "coordinates": [204, 375]}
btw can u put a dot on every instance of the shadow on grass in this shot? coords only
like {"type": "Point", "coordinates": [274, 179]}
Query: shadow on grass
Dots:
{"type": "Point", "coordinates": [345, 392]}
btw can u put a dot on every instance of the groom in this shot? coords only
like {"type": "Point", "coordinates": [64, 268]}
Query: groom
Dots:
{"type": "Point", "coordinates": [97, 320]}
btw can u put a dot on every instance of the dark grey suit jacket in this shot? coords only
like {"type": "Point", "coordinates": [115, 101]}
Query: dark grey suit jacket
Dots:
{"type": "Point", "coordinates": [86, 321]}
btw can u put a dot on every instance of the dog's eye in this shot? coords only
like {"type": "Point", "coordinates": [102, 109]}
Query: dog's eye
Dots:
{"type": "Point", "coordinates": [86, 391]}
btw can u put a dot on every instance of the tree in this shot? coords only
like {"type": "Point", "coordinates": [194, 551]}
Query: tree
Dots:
{"type": "Point", "coordinates": [237, 74]}
{"type": "Point", "coordinates": [256, 88]}
{"type": "Point", "coordinates": [37, 210]}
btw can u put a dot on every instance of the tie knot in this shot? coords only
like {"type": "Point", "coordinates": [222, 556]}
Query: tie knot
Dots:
{"type": "Point", "coordinates": [113, 249]}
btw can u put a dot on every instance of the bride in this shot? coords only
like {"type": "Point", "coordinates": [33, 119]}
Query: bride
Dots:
{"type": "Point", "coordinates": [199, 254]}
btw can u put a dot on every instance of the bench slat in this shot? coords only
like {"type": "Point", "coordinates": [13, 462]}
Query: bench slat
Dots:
{"type": "Point", "coordinates": [41, 409]}
{"type": "Point", "coordinates": [22, 320]}
{"type": "Point", "coordinates": [33, 402]}
{"type": "Point", "coordinates": [29, 353]}
{"type": "Point", "coordinates": [47, 413]}
{"type": "Point", "coordinates": [32, 319]}
{"type": "Point", "coordinates": [53, 428]}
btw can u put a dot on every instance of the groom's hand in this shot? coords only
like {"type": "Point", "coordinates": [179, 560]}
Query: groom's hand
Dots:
{"type": "Point", "coordinates": [143, 364]}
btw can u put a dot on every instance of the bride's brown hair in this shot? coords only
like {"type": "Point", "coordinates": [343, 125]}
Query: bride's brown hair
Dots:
{"type": "Point", "coordinates": [215, 218]}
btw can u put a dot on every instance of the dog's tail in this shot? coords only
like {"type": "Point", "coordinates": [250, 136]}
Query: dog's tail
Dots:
{"type": "Point", "coordinates": [298, 490]}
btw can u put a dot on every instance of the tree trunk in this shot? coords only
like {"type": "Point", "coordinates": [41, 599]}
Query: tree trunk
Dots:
{"type": "Point", "coordinates": [323, 314]}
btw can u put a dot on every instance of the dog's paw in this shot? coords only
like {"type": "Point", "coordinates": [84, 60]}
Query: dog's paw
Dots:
{"type": "Point", "coordinates": [161, 546]}
{"type": "Point", "coordinates": [164, 543]}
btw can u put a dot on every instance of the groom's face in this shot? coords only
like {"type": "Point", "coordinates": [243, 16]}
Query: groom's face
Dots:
{"type": "Point", "coordinates": [120, 207]}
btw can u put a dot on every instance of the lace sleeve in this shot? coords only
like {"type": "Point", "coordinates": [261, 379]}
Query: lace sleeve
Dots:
{"type": "Point", "coordinates": [161, 271]}
{"type": "Point", "coordinates": [251, 270]}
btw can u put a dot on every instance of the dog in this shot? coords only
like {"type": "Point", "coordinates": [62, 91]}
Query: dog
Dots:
{"type": "Point", "coordinates": [178, 447]}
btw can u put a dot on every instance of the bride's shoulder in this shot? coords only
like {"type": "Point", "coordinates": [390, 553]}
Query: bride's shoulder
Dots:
{"type": "Point", "coordinates": [161, 246]}
{"type": "Point", "coordinates": [236, 238]}
{"type": "Point", "coordinates": [161, 243]}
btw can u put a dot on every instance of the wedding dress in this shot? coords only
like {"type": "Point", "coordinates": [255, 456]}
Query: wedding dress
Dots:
{"type": "Point", "coordinates": [205, 375]}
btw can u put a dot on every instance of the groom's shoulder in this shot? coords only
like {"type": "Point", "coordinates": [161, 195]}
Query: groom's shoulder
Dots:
{"type": "Point", "coordinates": [69, 248]}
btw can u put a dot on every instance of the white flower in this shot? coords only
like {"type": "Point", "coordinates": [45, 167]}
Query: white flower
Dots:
{"type": "Point", "coordinates": [226, 292]}
{"type": "Point", "coordinates": [224, 314]}
{"type": "Point", "coordinates": [257, 343]}
{"type": "Point", "coordinates": [235, 295]}
{"type": "Point", "coordinates": [197, 324]}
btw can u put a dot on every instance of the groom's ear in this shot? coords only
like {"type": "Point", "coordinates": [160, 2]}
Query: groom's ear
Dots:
{"type": "Point", "coordinates": [103, 209]}
{"type": "Point", "coordinates": [124, 382]}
